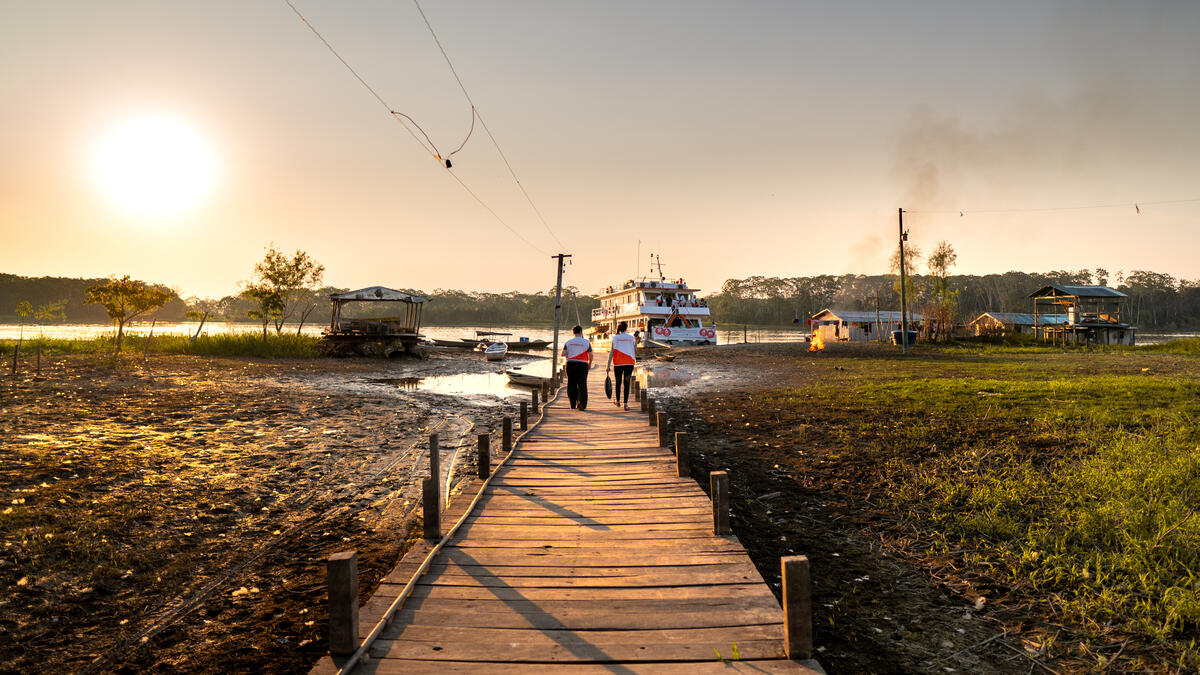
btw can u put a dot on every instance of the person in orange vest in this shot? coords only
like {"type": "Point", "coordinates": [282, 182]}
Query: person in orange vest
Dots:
{"type": "Point", "coordinates": [578, 353]}
{"type": "Point", "coordinates": [621, 358]}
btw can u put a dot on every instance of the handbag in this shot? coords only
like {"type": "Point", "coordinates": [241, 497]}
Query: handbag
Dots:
{"type": "Point", "coordinates": [607, 386]}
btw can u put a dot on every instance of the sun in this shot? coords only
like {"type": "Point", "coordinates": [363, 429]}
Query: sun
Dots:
{"type": "Point", "coordinates": [154, 166]}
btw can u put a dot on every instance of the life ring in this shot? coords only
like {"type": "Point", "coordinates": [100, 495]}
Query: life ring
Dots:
{"type": "Point", "coordinates": [659, 330]}
{"type": "Point", "coordinates": [708, 332]}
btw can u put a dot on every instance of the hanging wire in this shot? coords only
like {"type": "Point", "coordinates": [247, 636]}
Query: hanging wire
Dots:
{"type": "Point", "coordinates": [427, 144]}
{"type": "Point", "coordinates": [475, 111]}
{"type": "Point", "coordinates": [1136, 205]}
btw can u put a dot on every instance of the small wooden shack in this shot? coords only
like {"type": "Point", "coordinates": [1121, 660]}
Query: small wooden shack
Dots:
{"type": "Point", "coordinates": [374, 336]}
{"type": "Point", "coordinates": [1092, 315]}
{"type": "Point", "coordinates": [1009, 323]}
{"type": "Point", "coordinates": [852, 325]}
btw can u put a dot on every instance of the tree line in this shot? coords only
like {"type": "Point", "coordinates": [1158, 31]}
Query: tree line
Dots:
{"type": "Point", "coordinates": [1157, 301]}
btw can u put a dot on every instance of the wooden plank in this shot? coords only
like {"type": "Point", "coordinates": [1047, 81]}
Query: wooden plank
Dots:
{"type": "Point", "coordinates": [714, 667]}
{"type": "Point", "coordinates": [588, 618]}
{"type": "Point", "coordinates": [547, 597]}
{"type": "Point", "coordinates": [566, 647]}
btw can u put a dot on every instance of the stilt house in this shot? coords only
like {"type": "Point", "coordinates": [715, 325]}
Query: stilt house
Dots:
{"type": "Point", "coordinates": [1092, 315]}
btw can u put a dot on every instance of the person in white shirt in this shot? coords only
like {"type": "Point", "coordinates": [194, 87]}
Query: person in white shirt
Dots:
{"type": "Point", "coordinates": [621, 359]}
{"type": "Point", "coordinates": [578, 353]}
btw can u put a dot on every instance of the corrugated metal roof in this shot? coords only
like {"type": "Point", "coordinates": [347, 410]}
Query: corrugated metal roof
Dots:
{"type": "Point", "coordinates": [1021, 319]}
{"type": "Point", "coordinates": [1079, 291]}
{"type": "Point", "coordinates": [373, 293]}
{"type": "Point", "coordinates": [860, 316]}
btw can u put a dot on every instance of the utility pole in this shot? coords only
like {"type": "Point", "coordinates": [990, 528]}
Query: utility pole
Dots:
{"type": "Point", "coordinates": [557, 313]}
{"type": "Point", "coordinates": [903, 285]}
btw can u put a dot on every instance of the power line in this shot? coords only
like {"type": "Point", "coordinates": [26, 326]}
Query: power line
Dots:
{"type": "Point", "coordinates": [1136, 205]}
{"type": "Point", "coordinates": [427, 144]}
{"type": "Point", "coordinates": [475, 113]}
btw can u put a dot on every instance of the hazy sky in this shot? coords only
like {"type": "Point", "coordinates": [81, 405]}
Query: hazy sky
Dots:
{"type": "Point", "coordinates": [736, 138]}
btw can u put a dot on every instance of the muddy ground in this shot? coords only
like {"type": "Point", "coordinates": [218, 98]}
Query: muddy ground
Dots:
{"type": "Point", "coordinates": [882, 603]}
{"type": "Point", "coordinates": [175, 516]}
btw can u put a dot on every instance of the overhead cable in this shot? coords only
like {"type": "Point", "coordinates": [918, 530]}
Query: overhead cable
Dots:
{"type": "Point", "coordinates": [427, 143]}
{"type": "Point", "coordinates": [1136, 206]}
{"type": "Point", "coordinates": [475, 112]}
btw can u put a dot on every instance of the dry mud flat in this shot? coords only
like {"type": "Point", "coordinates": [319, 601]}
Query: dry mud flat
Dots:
{"type": "Point", "coordinates": [176, 516]}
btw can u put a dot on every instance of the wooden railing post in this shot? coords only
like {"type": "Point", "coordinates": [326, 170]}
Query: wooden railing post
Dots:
{"type": "Point", "coordinates": [39, 359]}
{"type": "Point", "coordinates": [682, 468]}
{"type": "Point", "coordinates": [524, 417]}
{"type": "Point", "coordinates": [534, 408]}
{"type": "Point", "coordinates": [664, 436]}
{"type": "Point", "coordinates": [341, 573]}
{"type": "Point", "coordinates": [485, 456]}
{"type": "Point", "coordinates": [652, 412]}
{"type": "Point", "coordinates": [506, 435]}
{"type": "Point", "coordinates": [636, 390]}
{"type": "Point", "coordinates": [642, 397]}
{"type": "Point", "coordinates": [718, 486]}
{"type": "Point", "coordinates": [431, 501]}
{"type": "Point", "coordinates": [797, 608]}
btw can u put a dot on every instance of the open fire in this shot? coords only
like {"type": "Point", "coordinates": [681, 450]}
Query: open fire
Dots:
{"type": "Point", "coordinates": [817, 343]}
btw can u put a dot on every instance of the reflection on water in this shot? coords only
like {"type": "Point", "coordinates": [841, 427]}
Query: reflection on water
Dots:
{"type": "Point", "coordinates": [663, 376]}
{"type": "Point", "coordinates": [463, 384]}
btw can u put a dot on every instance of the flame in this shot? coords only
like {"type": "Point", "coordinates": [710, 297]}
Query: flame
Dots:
{"type": "Point", "coordinates": [816, 343]}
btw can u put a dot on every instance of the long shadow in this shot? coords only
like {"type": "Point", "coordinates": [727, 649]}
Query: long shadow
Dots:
{"type": "Point", "coordinates": [556, 465]}
{"type": "Point", "coordinates": [551, 506]}
{"type": "Point", "coordinates": [537, 616]}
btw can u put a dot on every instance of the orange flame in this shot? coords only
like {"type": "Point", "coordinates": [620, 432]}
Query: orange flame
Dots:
{"type": "Point", "coordinates": [816, 343]}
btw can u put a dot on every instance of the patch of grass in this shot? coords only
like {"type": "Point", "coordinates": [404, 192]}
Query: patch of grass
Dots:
{"type": "Point", "coordinates": [1075, 475]}
{"type": "Point", "coordinates": [276, 345]}
{"type": "Point", "coordinates": [1184, 347]}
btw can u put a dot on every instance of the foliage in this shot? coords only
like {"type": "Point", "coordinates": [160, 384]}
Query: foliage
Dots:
{"type": "Point", "coordinates": [283, 286]}
{"type": "Point", "coordinates": [229, 344]}
{"type": "Point", "coordinates": [124, 299]}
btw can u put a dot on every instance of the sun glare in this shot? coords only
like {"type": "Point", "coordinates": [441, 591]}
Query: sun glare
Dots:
{"type": "Point", "coordinates": [155, 167]}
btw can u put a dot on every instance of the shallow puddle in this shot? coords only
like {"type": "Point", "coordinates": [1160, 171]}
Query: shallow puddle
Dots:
{"type": "Point", "coordinates": [463, 384]}
{"type": "Point", "coordinates": [664, 376]}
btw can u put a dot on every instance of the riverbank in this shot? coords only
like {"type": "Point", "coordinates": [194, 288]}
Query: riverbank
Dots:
{"type": "Point", "coordinates": [175, 514]}
{"type": "Point", "coordinates": [986, 510]}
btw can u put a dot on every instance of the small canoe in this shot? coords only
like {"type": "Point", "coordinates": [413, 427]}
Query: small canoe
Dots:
{"type": "Point", "coordinates": [665, 357]}
{"type": "Point", "coordinates": [496, 351]}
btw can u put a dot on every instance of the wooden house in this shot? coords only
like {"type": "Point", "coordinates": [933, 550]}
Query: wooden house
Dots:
{"type": "Point", "coordinates": [1081, 315]}
{"type": "Point", "coordinates": [846, 325]}
{"type": "Point", "coordinates": [1008, 323]}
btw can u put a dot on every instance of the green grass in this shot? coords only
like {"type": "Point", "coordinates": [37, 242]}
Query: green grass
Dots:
{"type": "Point", "coordinates": [276, 345]}
{"type": "Point", "coordinates": [1075, 475]}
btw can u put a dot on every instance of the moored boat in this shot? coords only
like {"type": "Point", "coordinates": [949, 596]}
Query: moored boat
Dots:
{"type": "Point", "coordinates": [665, 312]}
{"type": "Point", "coordinates": [496, 351]}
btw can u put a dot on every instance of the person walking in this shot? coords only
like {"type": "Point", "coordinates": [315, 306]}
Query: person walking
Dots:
{"type": "Point", "coordinates": [578, 353]}
{"type": "Point", "coordinates": [621, 358]}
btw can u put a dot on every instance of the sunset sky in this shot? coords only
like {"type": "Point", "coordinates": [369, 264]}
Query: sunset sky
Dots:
{"type": "Point", "coordinates": [734, 138]}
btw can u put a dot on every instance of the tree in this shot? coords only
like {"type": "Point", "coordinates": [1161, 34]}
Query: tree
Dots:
{"type": "Point", "coordinates": [911, 256]}
{"type": "Point", "coordinates": [945, 301]}
{"type": "Point", "coordinates": [125, 298]}
{"type": "Point", "coordinates": [282, 286]}
{"type": "Point", "coordinates": [24, 310]}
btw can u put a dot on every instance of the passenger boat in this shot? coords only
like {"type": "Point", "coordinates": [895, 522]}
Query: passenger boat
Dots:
{"type": "Point", "coordinates": [495, 351]}
{"type": "Point", "coordinates": [666, 313]}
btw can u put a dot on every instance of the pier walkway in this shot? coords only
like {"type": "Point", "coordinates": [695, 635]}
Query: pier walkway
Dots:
{"type": "Point", "coordinates": [584, 552]}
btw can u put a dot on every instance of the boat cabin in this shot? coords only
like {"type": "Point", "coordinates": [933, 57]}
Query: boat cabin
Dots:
{"type": "Point", "coordinates": [386, 334]}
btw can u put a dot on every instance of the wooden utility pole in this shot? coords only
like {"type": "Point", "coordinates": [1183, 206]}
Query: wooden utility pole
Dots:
{"type": "Point", "coordinates": [557, 314]}
{"type": "Point", "coordinates": [903, 285]}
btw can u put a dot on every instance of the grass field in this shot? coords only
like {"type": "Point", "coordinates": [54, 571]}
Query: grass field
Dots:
{"type": "Point", "coordinates": [1072, 475]}
{"type": "Point", "coordinates": [275, 345]}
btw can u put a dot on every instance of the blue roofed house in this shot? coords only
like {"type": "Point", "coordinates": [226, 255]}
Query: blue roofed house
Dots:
{"type": "Point", "coordinates": [1009, 323]}
{"type": "Point", "coordinates": [852, 325]}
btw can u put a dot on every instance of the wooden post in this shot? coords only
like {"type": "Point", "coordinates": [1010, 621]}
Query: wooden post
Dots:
{"type": "Point", "coordinates": [485, 456]}
{"type": "Point", "coordinates": [636, 390]}
{"type": "Point", "coordinates": [642, 399]}
{"type": "Point", "coordinates": [341, 573]}
{"type": "Point", "coordinates": [534, 408]}
{"type": "Point", "coordinates": [524, 415]}
{"type": "Point", "coordinates": [682, 468]}
{"type": "Point", "coordinates": [545, 392]}
{"type": "Point", "coordinates": [718, 486]}
{"type": "Point", "coordinates": [651, 412]}
{"type": "Point", "coordinates": [507, 435]}
{"type": "Point", "coordinates": [431, 512]}
{"type": "Point", "coordinates": [663, 424]}
{"type": "Point", "coordinates": [39, 359]}
{"type": "Point", "coordinates": [797, 608]}
{"type": "Point", "coordinates": [16, 350]}
{"type": "Point", "coordinates": [435, 463]}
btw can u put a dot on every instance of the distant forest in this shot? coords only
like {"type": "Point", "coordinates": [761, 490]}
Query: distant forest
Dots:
{"type": "Point", "coordinates": [449, 307]}
{"type": "Point", "coordinates": [1156, 301]}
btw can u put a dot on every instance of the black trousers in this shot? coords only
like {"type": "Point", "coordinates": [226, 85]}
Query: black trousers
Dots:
{"type": "Point", "coordinates": [577, 372]}
{"type": "Point", "coordinates": [623, 373]}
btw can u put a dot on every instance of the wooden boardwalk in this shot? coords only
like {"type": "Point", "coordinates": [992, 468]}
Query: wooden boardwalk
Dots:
{"type": "Point", "coordinates": [585, 553]}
